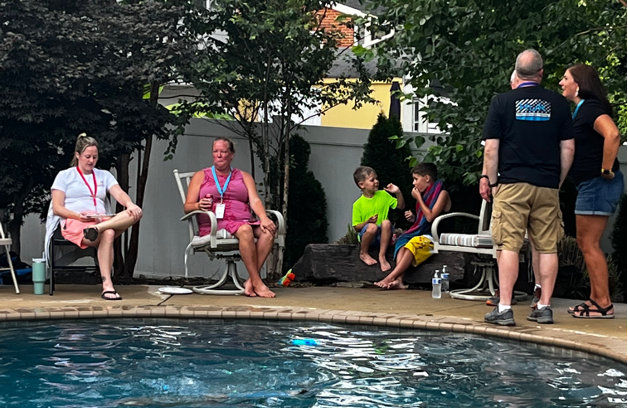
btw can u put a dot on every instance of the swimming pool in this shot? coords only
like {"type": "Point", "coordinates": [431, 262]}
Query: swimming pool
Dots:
{"type": "Point", "coordinates": [240, 363]}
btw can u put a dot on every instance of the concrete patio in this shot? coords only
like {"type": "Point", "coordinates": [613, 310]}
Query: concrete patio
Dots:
{"type": "Point", "coordinates": [409, 309]}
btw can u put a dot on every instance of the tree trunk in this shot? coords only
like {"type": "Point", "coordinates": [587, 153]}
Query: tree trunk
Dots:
{"type": "Point", "coordinates": [122, 176]}
{"type": "Point", "coordinates": [142, 179]}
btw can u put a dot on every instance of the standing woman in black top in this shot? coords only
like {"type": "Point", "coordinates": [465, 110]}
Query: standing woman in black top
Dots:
{"type": "Point", "coordinates": [600, 183]}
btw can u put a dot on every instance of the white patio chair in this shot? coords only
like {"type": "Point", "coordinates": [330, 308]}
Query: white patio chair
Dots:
{"type": "Point", "coordinates": [480, 243]}
{"type": "Point", "coordinates": [218, 244]}
{"type": "Point", "coordinates": [6, 242]}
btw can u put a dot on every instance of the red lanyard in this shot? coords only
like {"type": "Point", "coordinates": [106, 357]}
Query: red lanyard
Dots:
{"type": "Point", "coordinates": [92, 193]}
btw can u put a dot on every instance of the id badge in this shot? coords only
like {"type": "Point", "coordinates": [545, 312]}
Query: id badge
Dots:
{"type": "Point", "coordinates": [220, 210]}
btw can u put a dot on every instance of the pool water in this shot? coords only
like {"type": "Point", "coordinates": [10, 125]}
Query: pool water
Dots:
{"type": "Point", "coordinates": [238, 363]}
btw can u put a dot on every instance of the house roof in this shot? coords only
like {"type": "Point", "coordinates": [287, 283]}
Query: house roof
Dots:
{"type": "Point", "coordinates": [355, 4]}
{"type": "Point", "coordinates": [343, 67]}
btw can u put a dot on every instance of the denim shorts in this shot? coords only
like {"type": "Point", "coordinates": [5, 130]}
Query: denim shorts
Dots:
{"type": "Point", "coordinates": [599, 196]}
{"type": "Point", "coordinates": [376, 241]}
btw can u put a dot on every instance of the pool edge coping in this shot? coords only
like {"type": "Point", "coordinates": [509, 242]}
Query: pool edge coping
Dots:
{"type": "Point", "coordinates": [434, 323]}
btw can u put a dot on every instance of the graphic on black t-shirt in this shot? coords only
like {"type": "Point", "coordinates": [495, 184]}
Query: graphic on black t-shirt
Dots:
{"type": "Point", "coordinates": [533, 109]}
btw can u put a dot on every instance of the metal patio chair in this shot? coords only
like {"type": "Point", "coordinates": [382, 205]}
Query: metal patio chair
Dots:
{"type": "Point", "coordinates": [219, 244]}
{"type": "Point", "coordinates": [480, 244]}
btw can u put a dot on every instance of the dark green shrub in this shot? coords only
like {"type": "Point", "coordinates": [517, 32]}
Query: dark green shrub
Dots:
{"type": "Point", "coordinates": [572, 281]}
{"type": "Point", "coordinates": [390, 163]}
{"type": "Point", "coordinates": [307, 205]}
{"type": "Point", "coordinates": [618, 240]}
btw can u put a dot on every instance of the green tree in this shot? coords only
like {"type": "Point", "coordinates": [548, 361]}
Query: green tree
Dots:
{"type": "Point", "coordinates": [390, 163]}
{"type": "Point", "coordinates": [466, 51]}
{"type": "Point", "coordinates": [266, 72]}
{"type": "Point", "coordinates": [307, 205]}
{"type": "Point", "coordinates": [94, 66]}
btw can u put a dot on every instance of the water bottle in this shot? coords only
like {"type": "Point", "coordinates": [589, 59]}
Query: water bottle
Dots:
{"type": "Point", "coordinates": [436, 285]}
{"type": "Point", "coordinates": [444, 280]}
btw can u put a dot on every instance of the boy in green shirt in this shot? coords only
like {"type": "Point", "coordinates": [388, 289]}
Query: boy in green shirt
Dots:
{"type": "Point", "coordinates": [370, 214]}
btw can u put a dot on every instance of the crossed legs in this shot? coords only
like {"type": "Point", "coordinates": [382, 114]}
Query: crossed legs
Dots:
{"type": "Point", "coordinates": [254, 255]}
{"type": "Point", "coordinates": [107, 232]}
{"type": "Point", "coordinates": [394, 280]}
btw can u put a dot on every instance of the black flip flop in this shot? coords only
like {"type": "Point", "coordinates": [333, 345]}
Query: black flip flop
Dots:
{"type": "Point", "coordinates": [110, 292]}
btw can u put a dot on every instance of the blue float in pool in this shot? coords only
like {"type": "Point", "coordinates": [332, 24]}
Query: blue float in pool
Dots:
{"type": "Point", "coordinates": [304, 342]}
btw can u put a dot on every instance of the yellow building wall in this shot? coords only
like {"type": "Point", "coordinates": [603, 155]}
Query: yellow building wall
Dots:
{"type": "Point", "coordinates": [365, 117]}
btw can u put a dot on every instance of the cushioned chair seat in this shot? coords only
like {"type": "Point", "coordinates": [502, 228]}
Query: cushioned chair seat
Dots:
{"type": "Point", "coordinates": [205, 240]}
{"type": "Point", "coordinates": [466, 240]}
{"type": "Point", "coordinates": [480, 244]}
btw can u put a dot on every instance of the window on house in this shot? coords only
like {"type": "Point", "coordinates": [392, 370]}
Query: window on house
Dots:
{"type": "Point", "coordinates": [416, 115]}
{"type": "Point", "coordinates": [419, 120]}
{"type": "Point", "coordinates": [201, 3]}
{"type": "Point", "coordinates": [372, 34]}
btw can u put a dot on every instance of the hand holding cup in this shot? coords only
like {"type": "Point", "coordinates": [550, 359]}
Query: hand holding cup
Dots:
{"type": "Point", "coordinates": [206, 203]}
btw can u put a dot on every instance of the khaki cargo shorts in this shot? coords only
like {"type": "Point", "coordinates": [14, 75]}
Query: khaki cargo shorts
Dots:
{"type": "Point", "coordinates": [519, 207]}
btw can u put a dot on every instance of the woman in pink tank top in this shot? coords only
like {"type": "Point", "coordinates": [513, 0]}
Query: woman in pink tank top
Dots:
{"type": "Point", "coordinates": [232, 196]}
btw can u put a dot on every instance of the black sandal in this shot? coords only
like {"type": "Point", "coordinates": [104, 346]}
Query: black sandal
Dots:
{"type": "Point", "coordinates": [585, 311]}
{"type": "Point", "coordinates": [90, 234]}
{"type": "Point", "coordinates": [578, 308]}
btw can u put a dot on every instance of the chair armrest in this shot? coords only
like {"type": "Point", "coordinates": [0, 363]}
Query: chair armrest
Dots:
{"type": "Point", "coordinates": [190, 217]}
{"type": "Point", "coordinates": [195, 212]}
{"type": "Point", "coordinates": [281, 227]}
{"type": "Point", "coordinates": [440, 218]}
{"type": "Point", "coordinates": [281, 224]}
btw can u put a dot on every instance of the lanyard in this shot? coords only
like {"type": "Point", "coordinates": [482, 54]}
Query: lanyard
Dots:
{"type": "Point", "coordinates": [92, 193]}
{"type": "Point", "coordinates": [526, 84]}
{"type": "Point", "coordinates": [575, 112]}
{"type": "Point", "coordinates": [221, 190]}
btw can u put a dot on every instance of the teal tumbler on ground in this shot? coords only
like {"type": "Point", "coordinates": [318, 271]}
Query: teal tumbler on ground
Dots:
{"type": "Point", "coordinates": [39, 275]}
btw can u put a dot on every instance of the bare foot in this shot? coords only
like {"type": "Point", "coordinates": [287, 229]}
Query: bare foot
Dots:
{"type": "Point", "coordinates": [397, 284]}
{"type": "Point", "coordinates": [367, 259]}
{"type": "Point", "coordinates": [383, 264]}
{"type": "Point", "coordinates": [248, 288]}
{"type": "Point", "coordinates": [263, 291]}
{"type": "Point", "coordinates": [384, 283]}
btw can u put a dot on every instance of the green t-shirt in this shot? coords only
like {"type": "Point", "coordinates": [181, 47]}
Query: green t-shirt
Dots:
{"type": "Point", "coordinates": [364, 207]}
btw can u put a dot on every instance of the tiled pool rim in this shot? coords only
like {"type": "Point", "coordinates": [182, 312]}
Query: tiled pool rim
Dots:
{"type": "Point", "coordinates": [427, 322]}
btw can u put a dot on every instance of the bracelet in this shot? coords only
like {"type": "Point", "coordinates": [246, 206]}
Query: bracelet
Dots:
{"type": "Point", "coordinates": [494, 184]}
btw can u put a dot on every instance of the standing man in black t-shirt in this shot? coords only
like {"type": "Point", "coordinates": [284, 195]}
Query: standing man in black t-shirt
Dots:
{"type": "Point", "coordinates": [528, 151]}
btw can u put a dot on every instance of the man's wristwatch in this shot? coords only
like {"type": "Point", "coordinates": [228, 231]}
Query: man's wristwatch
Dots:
{"type": "Point", "coordinates": [608, 172]}
{"type": "Point", "coordinates": [489, 181]}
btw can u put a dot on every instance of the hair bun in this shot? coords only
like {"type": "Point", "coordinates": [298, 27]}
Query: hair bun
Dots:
{"type": "Point", "coordinates": [82, 135]}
